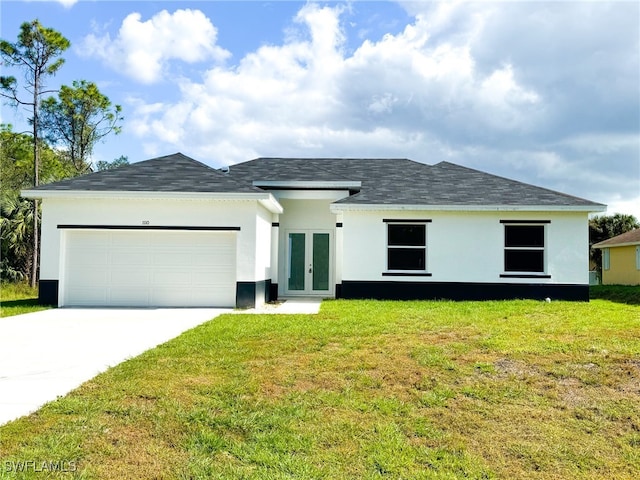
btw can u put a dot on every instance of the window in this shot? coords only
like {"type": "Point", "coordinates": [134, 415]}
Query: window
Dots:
{"type": "Point", "coordinates": [606, 259]}
{"type": "Point", "coordinates": [638, 257]}
{"type": "Point", "coordinates": [407, 247]}
{"type": "Point", "coordinates": [524, 248]}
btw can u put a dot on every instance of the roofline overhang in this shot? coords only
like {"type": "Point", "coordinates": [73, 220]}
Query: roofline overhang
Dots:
{"type": "Point", "coordinates": [308, 185]}
{"type": "Point", "coordinates": [614, 245]}
{"type": "Point", "coordinates": [266, 199]}
{"type": "Point", "coordinates": [345, 207]}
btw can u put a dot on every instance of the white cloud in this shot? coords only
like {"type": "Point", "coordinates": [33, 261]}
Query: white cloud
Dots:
{"type": "Point", "coordinates": [458, 83]}
{"type": "Point", "coordinates": [67, 3]}
{"type": "Point", "coordinates": [143, 49]}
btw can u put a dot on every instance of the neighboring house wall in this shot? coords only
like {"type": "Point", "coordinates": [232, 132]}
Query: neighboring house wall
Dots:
{"type": "Point", "coordinates": [465, 255]}
{"type": "Point", "coordinates": [623, 266]}
{"type": "Point", "coordinates": [253, 260]}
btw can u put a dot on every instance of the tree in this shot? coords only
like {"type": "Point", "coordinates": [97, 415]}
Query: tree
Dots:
{"type": "Point", "coordinates": [16, 219]}
{"type": "Point", "coordinates": [603, 227]}
{"type": "Point", "coordinates": [77, 119]}
{"type": "Point", "coordinates": [103, 165]}
{"type": "Point", "coordinates": [37, 53]}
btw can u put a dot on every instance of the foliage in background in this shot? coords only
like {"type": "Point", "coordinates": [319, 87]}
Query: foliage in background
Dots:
{"type": "Point", "coordinates": [16, 219]}
{"type": "Point", "coordinates": [103, 165]}
{"type": "Point", "coordinates": [604, 227]}
{"type": "Point", "coordinates": [63, 133]}
{"type": "Point", "coordinates": [36, 53]}
{"type": "Point", "coordinates": [79, 118]}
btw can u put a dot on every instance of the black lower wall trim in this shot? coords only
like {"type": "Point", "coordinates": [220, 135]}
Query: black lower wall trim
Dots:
{"type": "Point", "coordinates": [48, 292]}
{"type": "Point", "coordinates": [273, 292]}
{"type": "Point", "coordinates": [462, 291]}
{"type": "Point", "coordinates": [339, 290]}
{"type": "Point", "coordinates": [250, 293]}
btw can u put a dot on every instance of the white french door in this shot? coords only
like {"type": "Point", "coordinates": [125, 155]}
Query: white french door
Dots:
{"type": "Point", "coordinates": [309, 254]}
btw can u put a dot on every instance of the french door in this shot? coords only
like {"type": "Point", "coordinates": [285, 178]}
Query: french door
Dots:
{"type": "Point", "coordinates": [309, 254]}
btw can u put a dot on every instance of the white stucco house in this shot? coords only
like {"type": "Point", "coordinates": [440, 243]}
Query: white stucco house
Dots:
{"type": "Point", "coordinates": [172, 231]}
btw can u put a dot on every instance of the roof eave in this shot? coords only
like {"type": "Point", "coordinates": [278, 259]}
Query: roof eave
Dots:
{"type": "Point", "coordinates": [266, 199]}
{"type": "Point", "coordinates": [614, 245]}
{"type": "Point", "coordinates": [342, 207]}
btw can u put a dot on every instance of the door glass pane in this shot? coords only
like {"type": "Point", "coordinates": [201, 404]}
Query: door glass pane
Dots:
{"type": "Point", "coordinates": [321, 261]}
{"type": "Point", "coordinates": [296, 261]}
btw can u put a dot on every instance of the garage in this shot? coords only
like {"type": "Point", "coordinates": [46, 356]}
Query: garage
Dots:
{"type": "Point", "coordinates": [148, 268]}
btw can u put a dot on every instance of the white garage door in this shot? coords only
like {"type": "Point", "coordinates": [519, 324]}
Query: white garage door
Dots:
{"type": "Point", "coordinates": [149, 268]}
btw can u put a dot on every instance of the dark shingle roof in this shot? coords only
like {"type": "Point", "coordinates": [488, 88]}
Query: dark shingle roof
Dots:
{"type": "Point", "coordinates": [384, 181]}
{"type": "Point", "coordinates": [406, 182]}
{"type": "Point", "coordinates": [631, 237]}
{"type": "Point", "coordinates": [171, 173]}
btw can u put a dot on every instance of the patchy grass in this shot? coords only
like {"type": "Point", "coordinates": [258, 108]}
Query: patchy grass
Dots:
{"type": "Point", "coordinates": [365, 389]}
{"type": "Point", "coordinates": [616, 293]}
{"type": "Point", "coordinates": [18, 298]}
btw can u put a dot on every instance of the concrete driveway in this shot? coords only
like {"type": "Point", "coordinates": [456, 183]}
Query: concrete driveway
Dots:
{"type": "Point", "coordinates": [47, 354]}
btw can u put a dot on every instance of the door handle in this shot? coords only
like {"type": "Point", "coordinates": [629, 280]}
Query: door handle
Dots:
{"type": "Point", "coordinates": [310, 269]}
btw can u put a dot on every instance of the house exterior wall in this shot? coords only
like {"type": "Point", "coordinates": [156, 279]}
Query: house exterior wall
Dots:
{"type": "Point", "coordinates": [465, 250]}
{"type": "Point", "coordinates": [253, 257]}
{"type": "Point", "coordinates": [622, 267]}
{"type": "Point", "coordinates": [305, 210]}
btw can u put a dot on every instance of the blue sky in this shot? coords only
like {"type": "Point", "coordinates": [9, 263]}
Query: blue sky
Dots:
{"type": "Point", "coordinates": [543, 92]}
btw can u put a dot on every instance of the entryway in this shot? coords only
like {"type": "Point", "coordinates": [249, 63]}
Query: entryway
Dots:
{"type": "Point", "coordinates": [309, 259]}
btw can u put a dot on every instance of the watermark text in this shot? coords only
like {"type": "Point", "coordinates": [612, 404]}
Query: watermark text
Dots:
{"type": "Point", "coordinates": [19, 466]}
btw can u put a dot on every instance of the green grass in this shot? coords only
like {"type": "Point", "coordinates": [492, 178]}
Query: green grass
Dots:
{"type": "Point", "coordinates": [616, 293]}
{"type": "Point", "coordinates": [365, 389]}
{"type": "Point", "coordinates": [18, 298]}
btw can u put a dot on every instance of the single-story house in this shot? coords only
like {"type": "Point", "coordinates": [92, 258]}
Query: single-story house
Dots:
{"type": "Point", "coordinates": [621, 259]}
{"type": "Point", "coordinates": [172, 231]}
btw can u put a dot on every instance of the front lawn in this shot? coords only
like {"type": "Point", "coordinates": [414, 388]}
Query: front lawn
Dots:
{"type": "Point", "coordinates": [365, 389]}
{"type": "Point", "coordinates": [18, 298]}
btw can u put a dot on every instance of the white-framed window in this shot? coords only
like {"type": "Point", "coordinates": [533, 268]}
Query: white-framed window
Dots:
{"type": "Point", "coordinates": [407, 246]}
{"type": "Point", "coordinates": [638, 257]}
{"type": "Point", "coordinates": [525, 247]}
{"type": "Point", "coordinates": [606, 259]}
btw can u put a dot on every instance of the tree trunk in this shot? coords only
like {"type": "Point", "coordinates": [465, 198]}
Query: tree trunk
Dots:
{"type": "Point", "coordinates": [36, 181]}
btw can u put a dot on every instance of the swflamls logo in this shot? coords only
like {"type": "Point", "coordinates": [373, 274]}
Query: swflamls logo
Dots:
{"type": "Point", "coordinates": [19, 466]}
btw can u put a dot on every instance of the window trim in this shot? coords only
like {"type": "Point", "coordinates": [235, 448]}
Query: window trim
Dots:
{"type": "Point", "coordinates": [525, 274]}
{"type": "Point", "coordinates": [403, 272]}
{"type": "Point", "coordinates": [637, 257]}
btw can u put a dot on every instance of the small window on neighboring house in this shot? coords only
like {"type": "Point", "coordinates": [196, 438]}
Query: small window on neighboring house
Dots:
{"type": "Point", "coordinates": [524, 248]}
{"type": "Point", "coordinates": [638, 257]}
{"type": "Point", "coordinates": [606, 259]}
{"type": "Point", "coordinates": [406, 247]}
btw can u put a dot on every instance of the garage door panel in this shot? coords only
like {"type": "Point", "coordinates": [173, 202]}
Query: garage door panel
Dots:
{"type": "Point", "coordinates": [92, 276]}
{"type": "Point", "coordinates": [80, 258]}
{"type": "Point", "coordinates": [129, 278]}
{"type": "Point", "coordinates": [160, 268]}
{"type": "Point", "coordinates": [130, 258]}
{"type": "Point", "coordinates": [174, 260]}
{"type": "Point", "coordinates": [123, 297]}
{"type": "Point", "coordinates": [171, 277]}
{"type": "Point", "coordinates": [88, 296]}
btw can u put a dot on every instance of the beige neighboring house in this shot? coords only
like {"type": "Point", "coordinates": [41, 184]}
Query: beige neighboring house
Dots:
{"type": "Point", "coordinates": [621, 259]}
